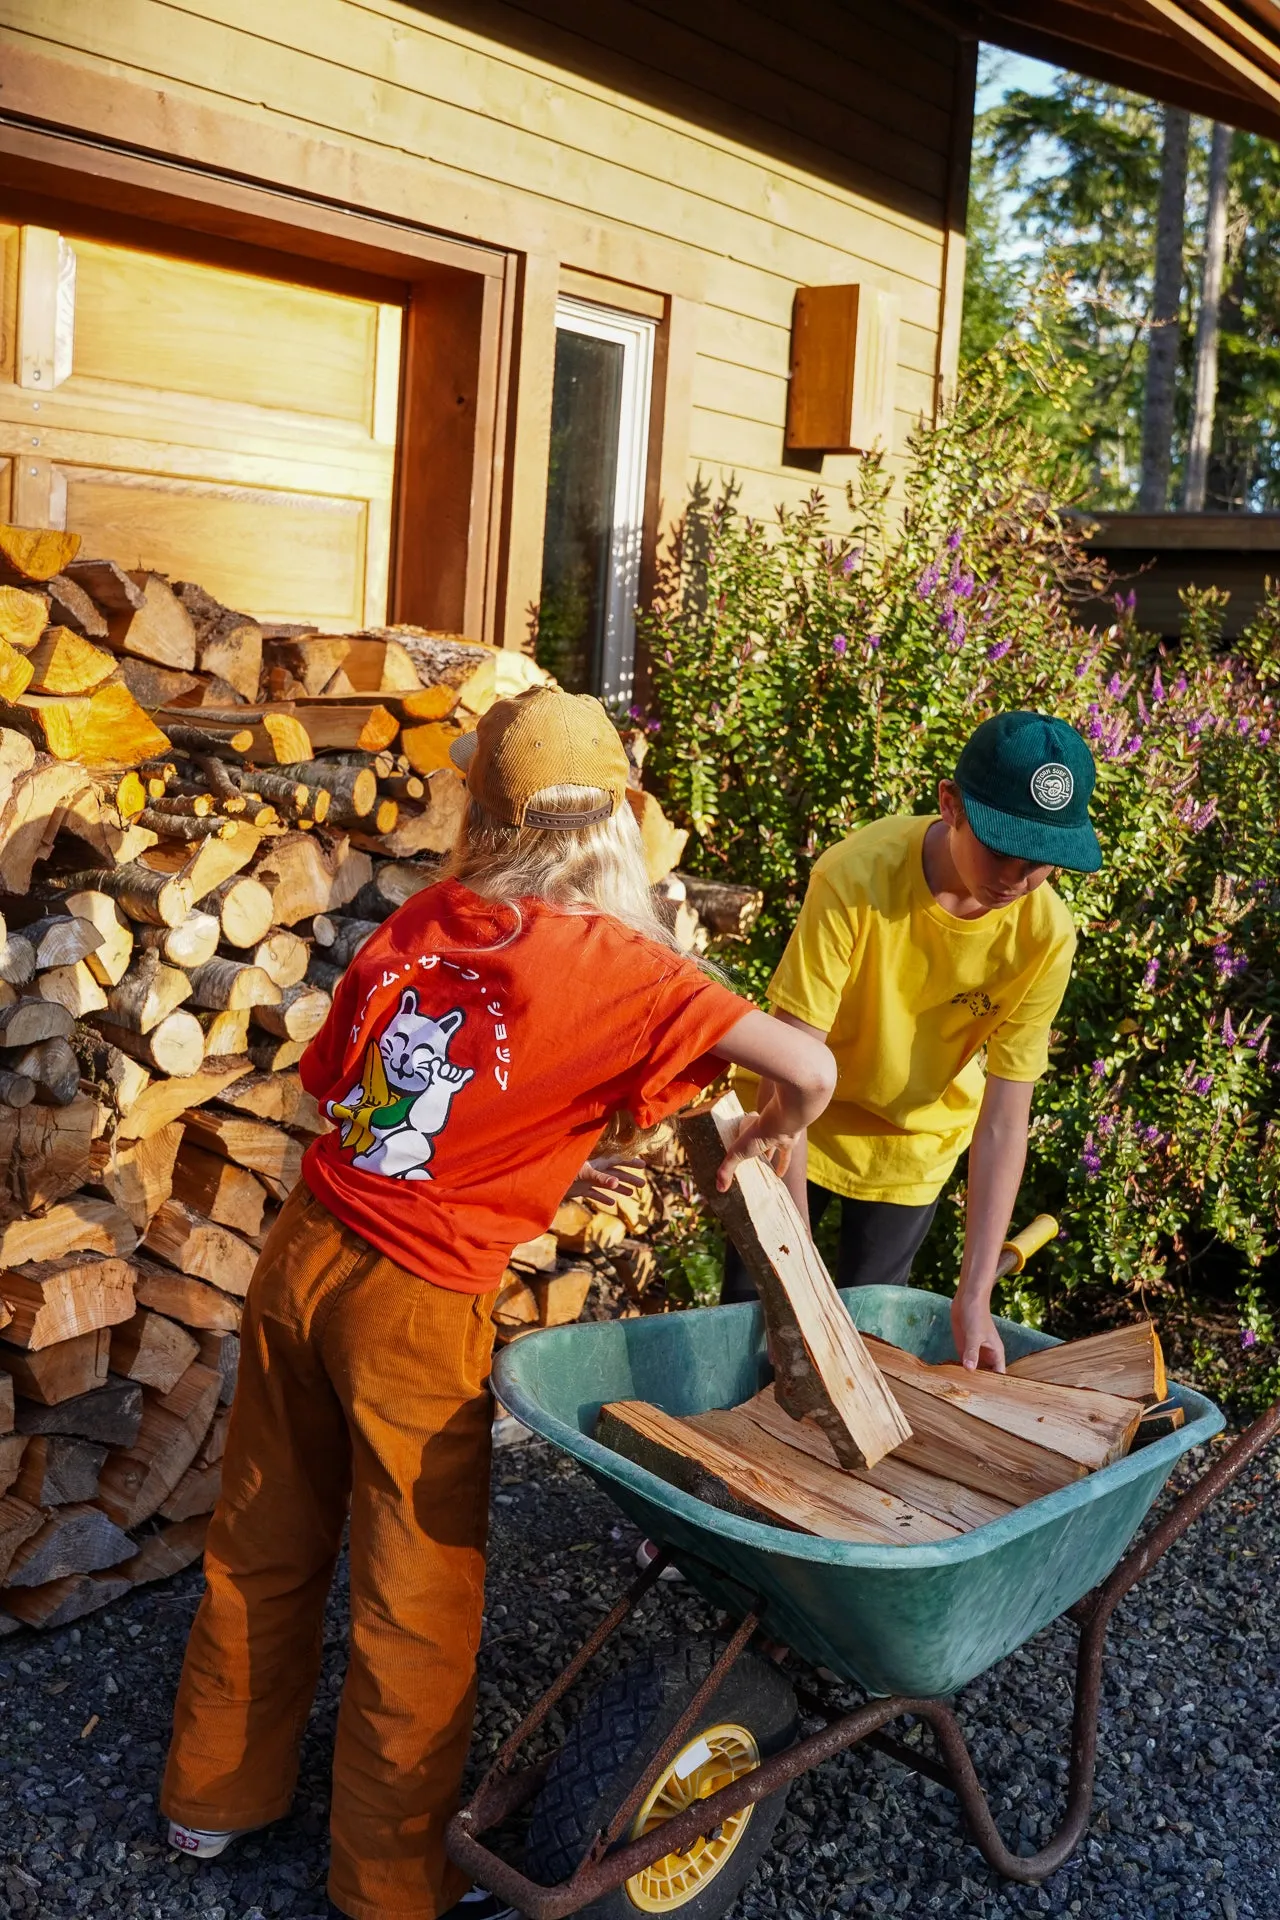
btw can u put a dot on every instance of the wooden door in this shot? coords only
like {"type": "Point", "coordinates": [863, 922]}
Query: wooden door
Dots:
{"type": "Point", "coordinates": [217, 425]}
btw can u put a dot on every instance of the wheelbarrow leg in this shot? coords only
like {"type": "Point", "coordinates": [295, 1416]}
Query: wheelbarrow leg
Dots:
{"type": "Point", "coordinates": [1093, 1615]}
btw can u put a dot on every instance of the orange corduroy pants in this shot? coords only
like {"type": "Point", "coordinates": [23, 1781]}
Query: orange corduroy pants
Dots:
{"type": "Point", "coordinates": [360, 1381]}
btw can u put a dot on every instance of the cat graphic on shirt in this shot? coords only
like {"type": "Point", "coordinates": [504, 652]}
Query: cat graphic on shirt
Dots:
{"type": "Point", "coordinates": [400, 1105]}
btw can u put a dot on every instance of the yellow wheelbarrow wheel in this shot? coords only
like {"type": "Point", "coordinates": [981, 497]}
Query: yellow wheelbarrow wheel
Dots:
{"type": "Point", "coordinates": [609, 1748]}
{"type": "Point", "coordinates": [715, 1759]}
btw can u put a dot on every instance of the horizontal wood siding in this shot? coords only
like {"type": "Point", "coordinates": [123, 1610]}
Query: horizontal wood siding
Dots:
{"type": "Point", "coordinates": [725, 154]}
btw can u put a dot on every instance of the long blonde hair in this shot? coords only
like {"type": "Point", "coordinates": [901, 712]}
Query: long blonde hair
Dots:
{"type": "Point", "coordinates": [595, 869]}
{"type": "Point", "coordinates": [580, 870]}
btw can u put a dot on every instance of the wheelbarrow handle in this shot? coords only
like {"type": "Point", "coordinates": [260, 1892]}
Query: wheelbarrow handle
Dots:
{"type": "Point", "coordinates": [1020, 1246]}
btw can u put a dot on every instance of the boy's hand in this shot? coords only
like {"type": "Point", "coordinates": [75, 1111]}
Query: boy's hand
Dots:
{"type": "Point", "coordinates": [974, 1332]}
{"type": "Point", "coordinates": [756, 1139]}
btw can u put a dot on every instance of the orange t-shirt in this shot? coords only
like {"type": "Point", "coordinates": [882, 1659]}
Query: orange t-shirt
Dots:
{"type": "Point", "coordinates": [471, 1060]}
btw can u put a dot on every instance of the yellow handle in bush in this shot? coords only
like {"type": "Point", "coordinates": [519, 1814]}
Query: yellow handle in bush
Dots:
{"type": "Point", "coordinates": [1018, 1249]}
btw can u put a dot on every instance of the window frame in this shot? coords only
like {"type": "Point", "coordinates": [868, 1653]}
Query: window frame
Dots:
{"type": "Point", "coordinates": [637, 335]}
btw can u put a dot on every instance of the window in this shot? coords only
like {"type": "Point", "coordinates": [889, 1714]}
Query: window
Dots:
{"type": "Point", "coordinates": [595, 499]}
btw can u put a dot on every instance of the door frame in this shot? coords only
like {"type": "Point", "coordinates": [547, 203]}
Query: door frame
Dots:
{"type": "Point", "coordinates": [462, 320]}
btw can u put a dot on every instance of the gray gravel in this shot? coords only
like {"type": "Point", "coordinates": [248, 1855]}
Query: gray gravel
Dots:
{"type": "Point", "coordinates": [1185, 1819]}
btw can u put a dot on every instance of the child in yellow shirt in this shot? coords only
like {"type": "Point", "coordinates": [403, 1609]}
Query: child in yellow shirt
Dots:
{"type": "Point", "coordinates": [925, 944]}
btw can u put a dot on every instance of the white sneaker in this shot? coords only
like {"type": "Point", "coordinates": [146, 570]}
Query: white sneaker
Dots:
{"type": "Point", "coordinates": [200, 1843]}
{"type": "Point", "coordinates": [646, 1553]}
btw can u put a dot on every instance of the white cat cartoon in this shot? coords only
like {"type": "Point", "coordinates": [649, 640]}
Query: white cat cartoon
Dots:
{"type": "Point", "coordinates": [401, 1102]}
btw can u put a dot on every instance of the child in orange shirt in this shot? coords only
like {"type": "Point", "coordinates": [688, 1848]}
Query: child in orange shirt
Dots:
{"type": "Point", "coordinates": [477, 1049]}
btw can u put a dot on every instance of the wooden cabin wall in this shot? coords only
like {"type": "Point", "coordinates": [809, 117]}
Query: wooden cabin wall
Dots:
{"type": "Point", "coordinates": [722, 155]}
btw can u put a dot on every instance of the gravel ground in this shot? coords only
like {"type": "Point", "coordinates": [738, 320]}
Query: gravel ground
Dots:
{"type": "Point", "coordinates": [1185, 1819]}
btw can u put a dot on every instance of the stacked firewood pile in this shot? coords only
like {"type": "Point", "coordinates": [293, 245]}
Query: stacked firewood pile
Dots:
{"type": "Point", "coordinates": [202, 818]}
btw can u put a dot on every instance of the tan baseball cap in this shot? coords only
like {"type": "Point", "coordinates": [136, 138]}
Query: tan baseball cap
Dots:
{"type": "Point", "coordinates": [542, 738]}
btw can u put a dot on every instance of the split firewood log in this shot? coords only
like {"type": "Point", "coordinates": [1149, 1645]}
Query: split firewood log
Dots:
{"type": "Point", "coordinates": [109, 959]}
{"type": "Point", "coordinates": [136, 1480]}
{"type": "Point", "coordinates": [219, 1189]}
{"type": "Point", "coordinates": [188, 944]}
{"type": "Point", "coordinates": [70, 1369]}
{"type": "Point", "coordinates": [136, 1174]}
{"type": "Point", "coordinates": [282, 956]}
{"type": "Point", "coordinates": [298, 1013]}
{"type": "Point", "coordinates": [169, 1551]}
{"type": "Point", "coordinates": [62, 662]}
{"type": "Point", "coordinates": [228, 644]}
{"type": "Point", "coordinates": [264, 1150]}
{"type": "Point", "coordinates": [173, 1046]}
{"type": "Point", "coordinates": [153, 1351]}
{"type": "Point", "coordinates": [44, 1152]}
{"type": "Point", "coordinates": [57, 1470]}
{"type": "Point", "coordinates": [244, 908]}
{"type": "Point", "coordinates": [36, 553]}
{"type": "Point", "coordinates": [164, 1100]}
{"type": "Point", "coordinates": [225, 1032]}
{"type": "Point", "coordinates": [341, 937]}
{"type": "Point", "coordinates": [221, 1351]}
{"type": "Point", "coordinates": [72, 987]}
{"type": "Point", "coordinates": [22, 616]}
{"type": "Point", "coordinates": [193, 1303]}
{"type": "Point", "coordinates": [233, 983]}
{"type": "Point", "coordinates": [160, 629]}
{"type": "Point", "coordinates": [53, 1300]}
{"type": "Point", "coordinates": [155, 898]}
{"type": "Point", "coordinates": [148, 992]}
{"type": "Point", "coordinates": [74, 1539]}
{"type": "Point", "coordinates": [108, 1416]}
{"type": "Point", "coordinates": [114, 590]}
{"type": "Point", "coordinates": [52, 1068]}
{"type": "Point", "coordinates": [200, 1248]}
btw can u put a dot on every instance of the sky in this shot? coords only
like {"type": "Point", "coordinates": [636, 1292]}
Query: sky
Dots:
{"type": "Point", "coordinates": [1000, 72]}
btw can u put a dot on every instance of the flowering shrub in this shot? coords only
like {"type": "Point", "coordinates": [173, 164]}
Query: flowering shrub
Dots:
{"type": "Point", "coordinates": [807, 682]}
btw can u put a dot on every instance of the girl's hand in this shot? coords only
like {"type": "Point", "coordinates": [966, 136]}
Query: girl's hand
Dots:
{"type": "Point", "coordinates": [609, 1176]}
{"type": "Point", "coordinates": [758, 1138]}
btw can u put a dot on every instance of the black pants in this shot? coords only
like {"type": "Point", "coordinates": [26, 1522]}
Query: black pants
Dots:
{"type": "Point", "coordinates": [878, 1241]}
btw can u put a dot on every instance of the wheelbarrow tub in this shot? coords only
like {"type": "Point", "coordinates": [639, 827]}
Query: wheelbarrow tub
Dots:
{"type": "Point", "coordinates": [918, 1620]}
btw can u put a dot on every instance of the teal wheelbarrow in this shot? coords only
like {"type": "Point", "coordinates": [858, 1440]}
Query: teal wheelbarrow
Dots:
{"type": "Point", "coordinates": [665, 1793]}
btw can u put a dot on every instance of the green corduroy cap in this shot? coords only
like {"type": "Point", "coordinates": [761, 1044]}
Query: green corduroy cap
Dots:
{"type": "Point", "coordinates": [1026, 780]}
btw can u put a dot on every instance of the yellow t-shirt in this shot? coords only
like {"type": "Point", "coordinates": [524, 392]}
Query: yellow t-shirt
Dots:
{"type": "Point", "coordinates": [910, 996]}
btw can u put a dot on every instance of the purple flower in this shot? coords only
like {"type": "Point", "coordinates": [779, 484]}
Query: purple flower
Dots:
{"type": "Point", "coordinates": [1228, 1031]}
{"type": "Point", "coordinates": [953, 538]}
{"type": "Point", "coordinates": [1091, 1159]}
{"type": "Point", "coordinates": [840, 646]}
{"type": "Point", "coordinates": [1132, 744]}
{"type": "Point", "coordinates": [961, 584]}
{"type": "Point", "coordinates": [1264, 736]}
{"type": "Point", "coordinates": [1193, 729]}
{"type": "Point", "coordinates": [1248, 1338]}
{"type": "Point", "coordinates": [1094, 729]}
{"type": "Point", "coordinates": [1099, 1069]}
{"type": "Point", "coordinates": [959, 629]}
{"type": "Point", "coordinates": [1106, 1125]}
{"type": "Point", "coordinates": [1114, 686]}
{"type": "Point", "coordinates": [1157, 687]}
{"type": "Point", "coordinates": [1204, 816]}
{"type": "Point", "coordinates": [875, 641]}
{"type": "Point", "coordinates": [635, 713]}
{"type": "Point", "coordinates": [1082, 667]}
{"type": "Point", "coordinates": [1152, 1136]}
{"type": "Point", "coordinates": [1228, 962]}
{"type": "Point", "coordinates": [654, 726]}
{"type": "Point", "coordinates": [849, 562]}
{"type": "Point", "coordinates": [999, 649]}
{"type": "Point", "coordinates": [928, 580]}
{"type": "Point", "coordinates": [1243, 725]}
{"type": "Point", "coordinates": [1203, 1084]}
{"type": "Point", "coordinates": [1180, 684]}
{"type": "Point", "coordinates": [1152, 971]}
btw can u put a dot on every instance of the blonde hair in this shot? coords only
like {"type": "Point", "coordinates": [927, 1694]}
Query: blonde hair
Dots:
{"type": "Point", "coordinates": [578, 870]}
{"type": "Point", "coordinates": [594, 869]}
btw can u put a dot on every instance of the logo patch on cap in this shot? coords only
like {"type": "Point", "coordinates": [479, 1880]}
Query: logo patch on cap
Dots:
{"type": "Point", "coordinates": [1052, 786]}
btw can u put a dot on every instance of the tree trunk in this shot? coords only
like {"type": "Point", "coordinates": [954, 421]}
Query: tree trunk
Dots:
{"type": "Point", "coordinates": [1208, 322]}
{"type": "Point", "coordinates": [1162, 349]}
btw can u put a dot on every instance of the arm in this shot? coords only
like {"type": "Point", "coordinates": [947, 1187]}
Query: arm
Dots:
{"type": "Point", "coordinates": [798, 1078]}
{"type": "Point", "coordinates": [795, 1167]}
{"type": "Point", "coordinates": [996, 1158]}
